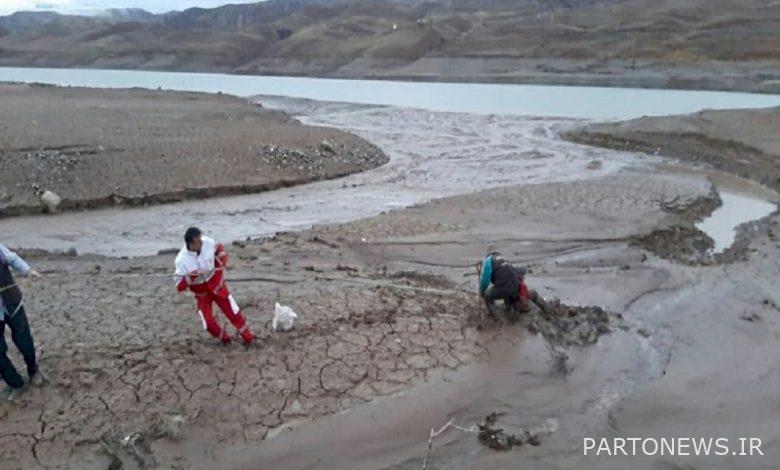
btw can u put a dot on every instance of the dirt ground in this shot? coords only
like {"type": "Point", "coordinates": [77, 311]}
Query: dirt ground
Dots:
{"type": "Point", "coordinates": [386, 303]}
{"type": "Point", "coordinates": [136, 147]}
{"type": "Point", "coordinates": [390, 342]}
{"type": "Point", "coordinates": [741, 142]}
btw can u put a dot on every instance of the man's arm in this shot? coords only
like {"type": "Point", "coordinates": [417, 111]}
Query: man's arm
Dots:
{"type": "Point", "coordinates": [16, 263]}
{"type": "Point", "coordinates": [180, 277]}
{"type": "Point", "coordinates": [220, 257]}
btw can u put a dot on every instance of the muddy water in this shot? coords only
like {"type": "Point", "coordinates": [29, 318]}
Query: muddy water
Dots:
{"type": "Point", "coordinates": [519, 379]}
{"type": "Point", "coordinates": [743, 201]}
{"type": "Point", "coordinates": [432, 155]}
{"type": "Point", "coordinates": [736, 210]}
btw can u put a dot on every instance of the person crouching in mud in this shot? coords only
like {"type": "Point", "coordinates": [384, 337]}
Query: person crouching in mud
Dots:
{"type": "Point", "coordinates": [12, 314]}
{"type": "Point", "coordinates": [200, 267]}
{"type": "Point", "coordinates": [499, 280]}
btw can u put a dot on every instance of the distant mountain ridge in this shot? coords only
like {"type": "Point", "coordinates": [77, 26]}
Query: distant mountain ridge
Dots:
{"type": "Point", "coordinates": [509, 40]}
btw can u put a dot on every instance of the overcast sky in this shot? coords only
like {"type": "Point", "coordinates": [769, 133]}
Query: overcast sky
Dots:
{"type": "Point", "coordinates": [92, 6]}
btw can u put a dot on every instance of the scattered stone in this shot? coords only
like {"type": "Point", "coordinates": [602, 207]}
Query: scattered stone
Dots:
{"type": "Point", "coordinates": [312, 160]}
{"type": "Point", "coordinates": [51, 201]}
{"type": "Point", "coordinates": [643, 332]}
{"type": "Point", "coordinates": [594, 165]}
{"type": "Point", "coordinates": [326, 146]}
{"type": "Point", "coordinates": [751, 317]}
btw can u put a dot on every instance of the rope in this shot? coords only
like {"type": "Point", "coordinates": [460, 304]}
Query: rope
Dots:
{"type": "Point", "coordinates": [3, 289]}
{"type": "Point", "coordinates": [354, 281]}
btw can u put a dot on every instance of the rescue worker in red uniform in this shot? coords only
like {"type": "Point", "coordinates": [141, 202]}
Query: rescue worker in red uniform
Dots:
{"type": "Point", "coordinates": [200, 267]}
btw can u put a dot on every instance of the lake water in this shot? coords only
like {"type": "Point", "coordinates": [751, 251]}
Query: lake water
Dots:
{"type": "Point", "coordinates": [531, 100]}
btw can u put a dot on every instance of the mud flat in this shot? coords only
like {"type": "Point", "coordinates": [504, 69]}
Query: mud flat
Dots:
{"type": "Point", "coordinates": [96, 147]}
{"type": "Point", "coordinates": [741, 142]}
{"type": "Point", "coordinates": [387, 346]}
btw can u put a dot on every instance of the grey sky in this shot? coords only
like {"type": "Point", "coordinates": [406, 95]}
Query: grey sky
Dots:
{"type": "Point", "coordinates": [92, 6]}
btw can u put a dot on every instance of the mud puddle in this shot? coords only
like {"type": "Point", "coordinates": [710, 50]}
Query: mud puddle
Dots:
{"type": "Point", "coordinates": [737, 209]}
{"type": "Point", "coordinates": [432, 155]}
{"type": "Point", "coordinates": [520, 381]}
{"type": "Point", "coordinates": [742, 201]}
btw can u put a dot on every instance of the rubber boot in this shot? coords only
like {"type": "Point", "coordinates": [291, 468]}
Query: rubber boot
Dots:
{"type": "Point", "coordinates": [224, 337]}
{"type": "Point", "coordinates": [246, 335]}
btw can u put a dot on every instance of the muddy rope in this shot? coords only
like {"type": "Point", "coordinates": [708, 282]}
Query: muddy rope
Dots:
{"type": "Point", "coordinates": [353, 281]}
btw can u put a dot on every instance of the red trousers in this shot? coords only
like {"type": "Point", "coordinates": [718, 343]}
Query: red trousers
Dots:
{"type": "Point", "coordinates": [227, 304]}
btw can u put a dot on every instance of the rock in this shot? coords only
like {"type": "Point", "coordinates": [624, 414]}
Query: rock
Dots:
{"type": "Point", "coordinates": [594, 165]}
{"type": "Point", "coordinates": [51, 200]}
{"type": "Point", "coordinates": [168, 425]}
{"type": "Point", "coordinates": [326, 146]}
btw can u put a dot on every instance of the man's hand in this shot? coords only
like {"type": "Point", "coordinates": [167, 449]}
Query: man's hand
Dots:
{"type": "Point", "coordinates": [34, 274]}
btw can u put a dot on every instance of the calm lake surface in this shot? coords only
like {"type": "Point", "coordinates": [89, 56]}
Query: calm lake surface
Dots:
{"type": "Point", "coordinates": [532, 100]}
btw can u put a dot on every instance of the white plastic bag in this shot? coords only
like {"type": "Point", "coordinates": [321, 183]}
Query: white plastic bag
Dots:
{"type": "Point", "coordinates": [284, 318]}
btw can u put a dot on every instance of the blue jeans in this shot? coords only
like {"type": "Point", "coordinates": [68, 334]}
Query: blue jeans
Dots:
{"type": "Point", "coordinates": [22, 338]}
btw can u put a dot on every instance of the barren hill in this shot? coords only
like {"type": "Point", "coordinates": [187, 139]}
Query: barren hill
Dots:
{"type": "Point", "coordinates": [728, 44]}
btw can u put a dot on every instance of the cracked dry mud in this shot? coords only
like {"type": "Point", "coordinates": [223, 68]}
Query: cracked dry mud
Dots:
{"type": "Point", "coordinates": [123, 351]}
{"type": "Point", "coordinates": [120, 353]}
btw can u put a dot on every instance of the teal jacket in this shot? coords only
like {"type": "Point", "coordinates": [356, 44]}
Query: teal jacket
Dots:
{"type": "Point", "coordinates": [487, 274]}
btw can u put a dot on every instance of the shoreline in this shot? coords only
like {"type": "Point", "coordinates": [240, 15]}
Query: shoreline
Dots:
{"type": "Point", "coordinates": [742, 142]}
{"type": "Point", "coordinates": [92, 148]}
{"type": "Point", "coordinates": [656, 79]}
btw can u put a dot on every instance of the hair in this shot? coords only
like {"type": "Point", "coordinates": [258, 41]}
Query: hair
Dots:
{"type": "Point", "coordinates": [191, 234]}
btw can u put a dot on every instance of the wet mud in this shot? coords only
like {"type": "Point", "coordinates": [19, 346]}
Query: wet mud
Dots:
{"type": "Point", "coordinates": [432, 155]}
{"type": "Point", "coordinates": [385, 302]}
{"type": "Point", "coordinates": [386, 347]}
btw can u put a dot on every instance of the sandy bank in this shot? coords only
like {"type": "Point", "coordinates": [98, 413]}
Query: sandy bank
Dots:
{"type": "Point", "coordinates": [741, 142]}
{"type": "Point", "coordinates": [95, 147]}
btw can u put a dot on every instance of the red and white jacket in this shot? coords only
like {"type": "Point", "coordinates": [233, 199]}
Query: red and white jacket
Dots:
{"type": "Point", "coordinates": [201, 272]}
